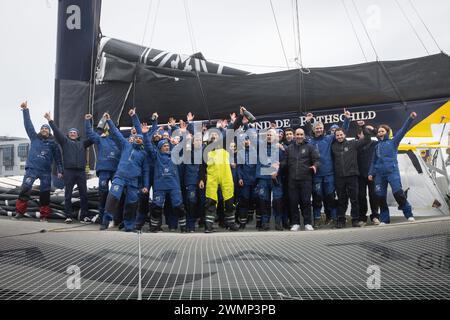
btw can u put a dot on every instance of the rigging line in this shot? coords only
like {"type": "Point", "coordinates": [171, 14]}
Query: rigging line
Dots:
{"type": "Point", "coordinates": [192, 40]}
{"type": "Point", "coordinates": [146, 21]}
{"type": "Point", "coordinates": [203, 95]}
{"type": "Point", "coordinates": [133, 84]}
{"type": "Point", "coordinates": [394, 86]}
{"type": "Point", "coordinates": [92, 82]}
{"type": "Point", "coordinates": [365, 30]}
{"type": "Point", "coordinates": [189, 25]}
{"type": "Point", "coordinates": [302, 105]}
{"type": "Point", "coordinates": [412, 27]}
{"type": "Point", "coordinates": [293, 29]}
{"type": "Point", "coordinates": [300, 61]}
{"type": "Point", "coordinates": [388, 76]}
{"type": "Point", "coordinates": [279, 34]}
{"type": "Point", "coordinates": [93, 65]}
{"type": "Point", "coordinates": [424, 24]}
{"type": "Point", "coordinates": [354, 30]}
{"type": "Point", "coordinates": [154, 24]}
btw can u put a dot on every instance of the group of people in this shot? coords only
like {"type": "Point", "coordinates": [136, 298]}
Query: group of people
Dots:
{"type": "Point", "coordinates": [195, 176]}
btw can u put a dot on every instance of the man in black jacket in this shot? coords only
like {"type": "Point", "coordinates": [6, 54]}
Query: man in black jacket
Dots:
{"type": "Point", "coordinates": [346, 172]}
{"type": "Point", "coordinates": [74, 159]}
{"type": "Point", "coordinates": [301, 161]}
{"type": "Point", "coordinates": [365, 156]}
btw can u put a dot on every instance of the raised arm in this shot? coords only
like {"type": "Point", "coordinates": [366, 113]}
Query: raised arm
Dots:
{"type": "Point", "coordinates": [149, 147]}
{"type": "Point", "coordinates": [114, 131]}
{"type": "Point", "coordinates": [93, 136]}
{"type": "Point", "coordinates": [135, 120]}
{"type": "Point", "coordinates": [346, 124]}
{"type": "Point", "coordinates": [60, 137]}
{"type": "Point", "coordinates": [29, 128]}
{"type": "Point", "coordinates": [404, 129]}
{"type": "Point", "coordinates": [190, 122]}
{"type": "Point", "coordinates": [154, 125]}
{"type": "Point", "coordinates": [308, 126]}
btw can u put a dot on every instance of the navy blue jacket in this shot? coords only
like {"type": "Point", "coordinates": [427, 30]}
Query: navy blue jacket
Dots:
{"type": "Point", "coordinates": [133, 164]}
{"type": "Point", "coordinates": [365, 156]}
{"type": "Point", "coordinates": [166, 174]}
{"type": "Point", "coordinates": [246, 171]}
{"type": "Point", "coordinates": [108, 152]}
{"type": "Point", "coordinates": [191, 171]}
{"type": "Point", "coordinates": [43, 151]}
{"type": "Point", "coordinates": [323, 145]}
{"type": "Point", "coordinates": [385, 155]}
{"type": "Point", "coordinates": [74, 151]}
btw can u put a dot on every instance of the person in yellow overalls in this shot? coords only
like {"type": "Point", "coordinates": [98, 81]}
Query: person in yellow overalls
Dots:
{"type": "Point", "coordinates": [216, 172]}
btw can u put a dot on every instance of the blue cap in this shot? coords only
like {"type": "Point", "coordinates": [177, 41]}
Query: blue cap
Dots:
{"type": "Point", "coordinates": [162, 142]}
{"type": "Point", "coordinates": [46, 126]}
{"type": "Point", "coordinates": [334, 126]}
{"type": "Point", "coordinates": [74, 129]}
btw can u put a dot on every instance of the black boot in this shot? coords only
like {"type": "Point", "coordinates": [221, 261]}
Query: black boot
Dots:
{"type": "Point", "coordinates": [210, 213]}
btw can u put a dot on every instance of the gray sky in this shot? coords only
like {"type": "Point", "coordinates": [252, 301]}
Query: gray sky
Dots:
{"type": "Point", "coordinates": [230, 31]}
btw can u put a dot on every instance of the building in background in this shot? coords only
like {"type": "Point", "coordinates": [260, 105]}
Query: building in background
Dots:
{"type": "Point", "coordinates": [13, 155]}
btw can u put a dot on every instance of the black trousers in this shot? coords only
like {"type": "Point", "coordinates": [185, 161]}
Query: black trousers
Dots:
{"type": "Point", "coordinates": [300, 193]}
{"type": "Point", "coordinates": [74, 177]}
{"type": "Point", "coordinates": [347, 188]}
{"type": "Point", "coordinates": [365, 184]}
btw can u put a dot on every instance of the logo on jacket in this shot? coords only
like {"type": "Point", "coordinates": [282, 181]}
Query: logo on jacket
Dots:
{"type": "Point", "coordinates": [345, 149]}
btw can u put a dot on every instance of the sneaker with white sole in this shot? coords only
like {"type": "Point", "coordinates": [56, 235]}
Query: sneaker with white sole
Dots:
{"type": "Point", "coordinates": [68, 220]}
{"type": "Point", "coordinates": [295, 227]}
{"type": "Point", "coordinates": [411, 219]}
{"type": "Point", "coordinates": [376, 221]}
{"type": "Point", "coordinates": [309, 227]}
{"type": "Point", "coordinates": [18, 216]}
{"type": "Point", "coordinates": [382, 224]}
{"type": "Point", "coordinates": [96, 219]}
{"type": "Point", "coordinates": [86, 220]}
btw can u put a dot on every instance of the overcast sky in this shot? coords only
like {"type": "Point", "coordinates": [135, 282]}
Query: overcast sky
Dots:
{"type": "Point", "coordinates": [231, 31]}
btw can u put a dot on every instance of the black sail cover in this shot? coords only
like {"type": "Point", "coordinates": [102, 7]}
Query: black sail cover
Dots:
{"type": "Point", "coordinates": [151, 80]}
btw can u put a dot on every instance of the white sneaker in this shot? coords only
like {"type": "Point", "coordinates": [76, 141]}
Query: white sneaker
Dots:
{"type": "Point", "coordinates": [295, 227]}
{"type": "Point", "coordinates": [411, 219]}
{"type": "Point", "coordinates": [382, 224]}
{"type": "Point", "coordinates": [68, 220]}
{"type": "Point", "coordinates": [309, 227]}
{"type": "Point", "coordinates": [95, 218]}
{"type": "Point", "coordinates": [376, 221]}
